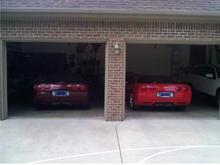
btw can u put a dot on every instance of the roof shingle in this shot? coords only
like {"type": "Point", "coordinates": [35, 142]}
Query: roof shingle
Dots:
{"type": "Point", "coordinates": [116, 6]}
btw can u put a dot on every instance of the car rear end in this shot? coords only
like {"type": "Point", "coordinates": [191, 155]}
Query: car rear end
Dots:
{"type": "Point", "coordinates": [157, 94]}
{"type": "Point", "coordinates": [70, 93]}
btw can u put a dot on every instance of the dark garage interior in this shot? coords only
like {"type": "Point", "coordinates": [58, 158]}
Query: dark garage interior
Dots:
{"type": "Point", "coordinates": [176, 62]}
{"type": "Point", "coordinates": [29, 63]}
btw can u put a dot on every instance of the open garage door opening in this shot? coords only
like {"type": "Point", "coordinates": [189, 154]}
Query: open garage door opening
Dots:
{"type": "Point", "coordinates": [66, 78]}
{"type": "Point", "coordinates": [170, 80]}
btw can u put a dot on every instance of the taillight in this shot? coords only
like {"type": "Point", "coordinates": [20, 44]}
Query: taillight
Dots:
{"type": "Point", "coordinates": [182, 89]}
{"type": "Point", "coordinates": [77, 87]}
{"type": "Point", "coordinates": [83, 88]}
{"type": "Point", "coordinates": [185, 88]}
{"type": "Point", "coordinates": [72, 87]}
{"type": "Point", "coordinates": [39, 86]}
{"type": "Point", "coordinates": [47, 87]}
{"type": "Point", "coordinates": [42, 87]}
{"type": "Point", "coordinates": [148, 87]}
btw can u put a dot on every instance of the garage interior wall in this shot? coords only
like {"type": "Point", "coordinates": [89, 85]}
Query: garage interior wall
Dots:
{"type": "Point", "coordinates": [156, 55]}
{"type": "Point", "coordinates": [64, 48]}
{"type": "Point", "coordinates": [136, 52]}
{"type": "Point", "coordinates": [143, 58]}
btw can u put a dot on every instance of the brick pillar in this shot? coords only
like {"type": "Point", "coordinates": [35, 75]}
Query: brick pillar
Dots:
{"type": "Point", "coordinates": [115, 80]}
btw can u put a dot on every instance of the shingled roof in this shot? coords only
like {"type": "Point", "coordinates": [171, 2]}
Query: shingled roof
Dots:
{"type": "Point", "coordinates": [183, 7]}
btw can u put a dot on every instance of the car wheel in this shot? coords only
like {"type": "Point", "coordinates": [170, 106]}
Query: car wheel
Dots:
{"type": "Point", "coordinates": [131, 102]}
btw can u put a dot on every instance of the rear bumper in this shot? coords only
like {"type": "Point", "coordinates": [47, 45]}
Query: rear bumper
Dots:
{"type": "Point", "coordinates": [73, 99]}
{"type": "Point", "coordinates": [181, 100]}
{"type": "Point", "coordinates": [163, 104]}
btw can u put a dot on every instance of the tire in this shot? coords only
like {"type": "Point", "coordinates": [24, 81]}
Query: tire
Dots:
{"type": "Point", "coordinates": [131, 102]}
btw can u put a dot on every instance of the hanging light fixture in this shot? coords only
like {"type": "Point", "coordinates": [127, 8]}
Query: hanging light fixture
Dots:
{"type": "Point", "coordinates": [117, 48]}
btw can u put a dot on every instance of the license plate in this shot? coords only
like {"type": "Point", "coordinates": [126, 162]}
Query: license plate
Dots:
{"type": "Point", "coordinates": [165, 94]}
{"type": "Point", "coordinates": [60, 93]}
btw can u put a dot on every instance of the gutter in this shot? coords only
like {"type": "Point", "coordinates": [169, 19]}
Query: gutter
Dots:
{"type": "Point", "coordinates": [110, 14]}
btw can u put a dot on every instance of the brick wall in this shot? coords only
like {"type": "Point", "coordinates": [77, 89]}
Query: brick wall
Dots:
{"type": "Point", "coordinates": [103, 30]}
{"type": "Point", "coordinates": [111, 32]}
{"type": "Point", "coordinates": [115, 80]}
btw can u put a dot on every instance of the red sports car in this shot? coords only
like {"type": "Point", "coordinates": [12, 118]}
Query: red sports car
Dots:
{"type": "Point", "coordinates": [61, 89]}
{"type": "Point", "coordinates": [157, 91]}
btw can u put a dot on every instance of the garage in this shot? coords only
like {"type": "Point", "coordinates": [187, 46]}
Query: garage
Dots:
{"type": "Point", "coordinates": [74, 75]}
{"type": "Point", "coordinates": [55, 78]}
{"type": "Point", "coordinates": [176, 62]}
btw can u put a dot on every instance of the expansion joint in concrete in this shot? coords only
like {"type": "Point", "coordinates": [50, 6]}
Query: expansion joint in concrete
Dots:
{"type": "Point", "coordinates": [118, 142]}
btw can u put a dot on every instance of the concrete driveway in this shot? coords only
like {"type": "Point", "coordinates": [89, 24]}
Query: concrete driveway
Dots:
{"type": "Point", "coordinates": [146, 136]}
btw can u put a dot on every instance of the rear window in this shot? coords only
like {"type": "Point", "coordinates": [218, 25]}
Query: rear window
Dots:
{"type": "Point", "coordinates": [156, 79]}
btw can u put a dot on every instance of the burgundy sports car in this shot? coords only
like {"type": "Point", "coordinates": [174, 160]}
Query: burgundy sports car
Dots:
{"type": "Point", "coordinates": [157, 91]}
{"type": "Point", "coordinates": [61, 89]}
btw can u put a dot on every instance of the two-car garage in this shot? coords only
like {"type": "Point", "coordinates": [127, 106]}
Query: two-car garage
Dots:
{"type": "Point", "coordinates": [104, 53]}
{"type": "Point", "coordinates": [30, 62]}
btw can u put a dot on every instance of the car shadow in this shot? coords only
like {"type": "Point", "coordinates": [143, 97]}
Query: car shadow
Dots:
{"type": "Point", "coordinates": [158, 109]}
{"type": "Point", "coordinates": [62, 108]}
